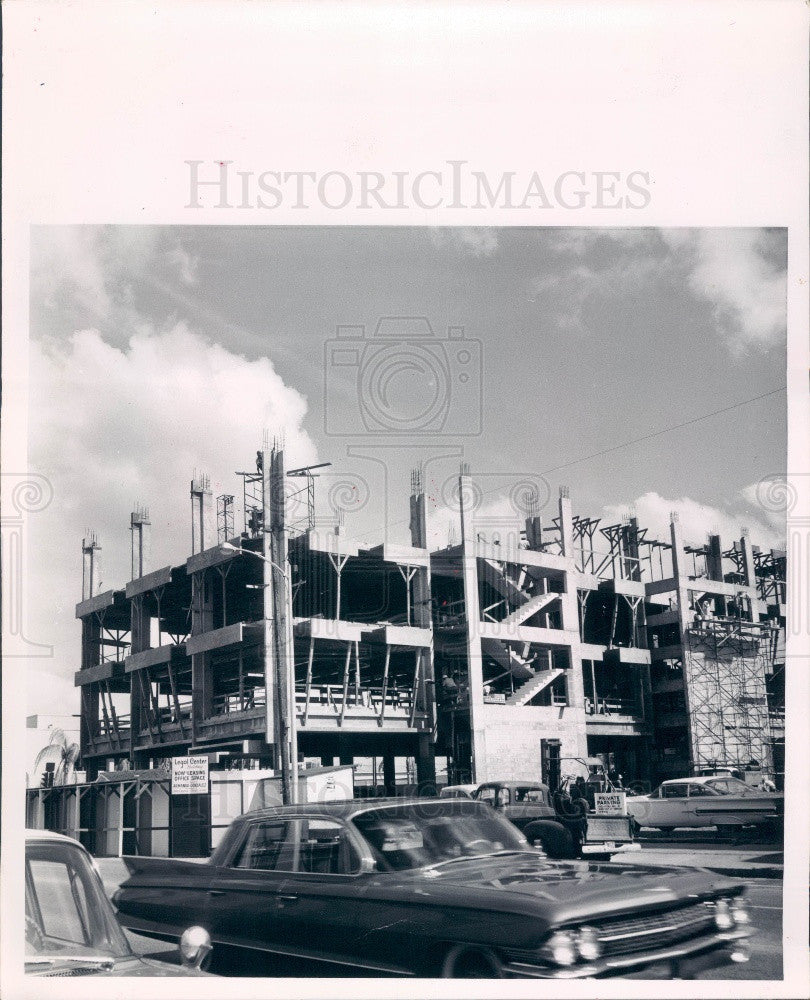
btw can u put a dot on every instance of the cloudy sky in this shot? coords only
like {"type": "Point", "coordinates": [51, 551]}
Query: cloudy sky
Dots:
{"type": "Point", "coordinates": [642, 368]}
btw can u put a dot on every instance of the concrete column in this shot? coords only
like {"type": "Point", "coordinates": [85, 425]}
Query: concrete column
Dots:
{"type": "Point", "coordinates": [679, 572]}
{"type": "Point", "coordinates": [140, 623]}
{"type": "Point", "coordinates": [202, 620]}
{"type": "Point", "coordinates": [714, 558]}
{"type": "Point", "coordinates": [426, 765]}
{"type": "Point", "coordinates": [390, 774]}
{"type": "Point", "coordinates": [633, 551]}
{"type": "Point", "coordinates": [685, 616]}
{"type": "Point", "coordinates": [534, 532]}
{"type": "Point", "coordinates": [91, 566]}
{"type": "Point", "coordinates": [749, 566]}
{"type": "Point", "coordinates": [141, 531]}
{"type": "Point", "coordinates": [569, 608]}
{"type": "Point", "coordinates": [203, 518]}
{"type": "Point", "coordinates": [475, 675]}
{"type": "Point", "coordinates": [566, 523]}
{"type": "Point", "coordinates": [423, 617]}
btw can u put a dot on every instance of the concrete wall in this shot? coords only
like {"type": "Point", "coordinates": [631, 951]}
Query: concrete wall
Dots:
{"type": "Point", "coordinates": [513, 735]}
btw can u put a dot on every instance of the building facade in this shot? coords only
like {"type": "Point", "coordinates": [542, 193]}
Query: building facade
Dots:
{"type": "Point", "coordinates": [509, 654]}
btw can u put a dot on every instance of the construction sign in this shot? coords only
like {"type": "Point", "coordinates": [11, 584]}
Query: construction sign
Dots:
{"type": "Point", "coordinates": [190, 775]}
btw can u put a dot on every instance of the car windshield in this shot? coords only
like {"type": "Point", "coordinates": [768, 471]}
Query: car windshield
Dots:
{"type": "Point", "coordinates": [731, 786]}
{"type": "Point", "coordinates": [421, 834]}
{"type": "Point", "coordinates": [67, 915]}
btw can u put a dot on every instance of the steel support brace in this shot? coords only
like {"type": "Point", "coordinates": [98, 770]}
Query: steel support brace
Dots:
{"type": "Point", "coordinates": [310, 658]}
{"type": "Point", "coordinates": [384, 684]}
{"type": "Point", "coordinates": [345, 682]}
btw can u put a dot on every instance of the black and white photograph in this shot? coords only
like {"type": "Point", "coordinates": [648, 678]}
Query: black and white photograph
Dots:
{"type": "Point", "coordinates": [400, 596]}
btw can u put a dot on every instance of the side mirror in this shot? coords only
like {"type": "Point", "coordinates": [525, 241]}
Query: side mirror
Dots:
{"type": "Point", "coordinates": [195, 947]}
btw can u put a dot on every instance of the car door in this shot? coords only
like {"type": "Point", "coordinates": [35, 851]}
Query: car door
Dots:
{"type": "Point", "coordinates": [702, 800]}
{"type": "Point", "coordinates": [672, 809]}
{"type": "Point", "coordinates": [320, 913]}
{"type": "Point", "coordinates": [247, 896]}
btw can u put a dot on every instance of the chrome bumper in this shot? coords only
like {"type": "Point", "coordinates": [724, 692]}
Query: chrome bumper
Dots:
{"type": "Point", "coordinates": [610, 847]}
{"type": "Point", "coordinates": [678, 961]}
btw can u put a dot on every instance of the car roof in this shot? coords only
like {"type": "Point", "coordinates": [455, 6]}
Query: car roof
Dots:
{"type": "Point", "coordinates": [514, 784]}
{"type": "Point", "coordinates": [697, 780]}
{"type": "Point", "coordinates": [50, 835]}
{"type": "Point", "coordinates": [347, 808]}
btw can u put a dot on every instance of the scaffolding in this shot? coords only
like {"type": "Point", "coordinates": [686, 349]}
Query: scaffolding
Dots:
{"type": "Point", "coordinates": [725, 666]}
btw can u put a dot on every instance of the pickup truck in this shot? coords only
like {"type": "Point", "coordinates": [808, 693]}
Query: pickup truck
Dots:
{"type": "Point", "coordinates": [564, 831]}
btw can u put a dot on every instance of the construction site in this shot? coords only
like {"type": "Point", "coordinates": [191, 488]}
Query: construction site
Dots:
{"type": "Point", "coordinates": [281, 645]}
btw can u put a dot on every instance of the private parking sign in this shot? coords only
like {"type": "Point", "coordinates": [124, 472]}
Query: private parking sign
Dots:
{"type": "Point", "coordinates": [610, 803]}
{"type": "Point", "coordinates": [189, 775]}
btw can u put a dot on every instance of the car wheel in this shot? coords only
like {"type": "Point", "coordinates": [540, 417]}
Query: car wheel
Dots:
{"type": "Point", "coordinates": [463, 962]}
{"type": "Point", "coordinates": [553, 838]}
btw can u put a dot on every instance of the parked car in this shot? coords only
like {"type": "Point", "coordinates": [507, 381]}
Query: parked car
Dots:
{"type": "Point", "coordinates": [431, 887]}
{"type": "Point", "coordinates": [563, 831]}
{"type": "Point", "coordinates": [457, 791]}
{"type": "Point", "coordinates": [717, 800]}
{"type": "Point", "coordinates": [71, 928]}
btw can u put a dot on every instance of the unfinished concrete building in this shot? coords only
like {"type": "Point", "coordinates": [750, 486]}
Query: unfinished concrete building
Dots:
{"type": "Point", "coordinates": [505, 655]}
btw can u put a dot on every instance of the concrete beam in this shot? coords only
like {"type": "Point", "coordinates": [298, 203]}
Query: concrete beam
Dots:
{"type": "Point", "coordinates": [157, 578]}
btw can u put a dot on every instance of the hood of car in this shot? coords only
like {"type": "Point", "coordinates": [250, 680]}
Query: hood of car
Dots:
{"type": "Point", "coordinates": [567, 890]}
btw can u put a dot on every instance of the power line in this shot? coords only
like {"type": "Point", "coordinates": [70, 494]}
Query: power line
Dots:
{"type": "Point", "coordinates": [666, 430]}
{"type": "Point", "coordinates": [624, 444]}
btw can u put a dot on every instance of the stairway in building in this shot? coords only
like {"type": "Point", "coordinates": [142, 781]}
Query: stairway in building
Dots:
{"type": "Point", "coordinates": [533, 686]}
{"type": "Point", "coordinates": [531, 607]}
{"type": "Point", "coordinates": [507, 658]}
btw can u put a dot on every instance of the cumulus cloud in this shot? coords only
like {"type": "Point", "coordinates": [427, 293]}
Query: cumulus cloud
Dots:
{"type": "Point", "coordinates": [112, 426]}
{"type": "Point", "coordinates": [698, 520]}
{"type": "Point", "coordinates": [476, 242]}
{"type": "Point", "coordinates": [739, 273]}
{"type": "Point", "coordinates": [742, 274]}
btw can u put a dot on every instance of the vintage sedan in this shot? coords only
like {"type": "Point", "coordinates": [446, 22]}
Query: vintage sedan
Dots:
{"type": "Point", "coordinates": [70, 926]}
{"type": "Point", "coordinates": [711, 800]}
{"type": "Point", "coordinates": [430, 887]}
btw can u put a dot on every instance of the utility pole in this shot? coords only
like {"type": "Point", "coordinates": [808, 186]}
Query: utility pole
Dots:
{"type": "Point", "coordinates": [279, 598]}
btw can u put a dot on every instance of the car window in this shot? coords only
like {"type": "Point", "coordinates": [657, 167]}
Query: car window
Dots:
{"type": "Point", "coordinates": [503, 797]}
{"type": "Point", "coordinates": [529, 795]}
{"type": "Point", "coordinates": [486, 795]}
{"type": "Point", "coordinates": [677, 791]}
{"type": "Point", "coordinates": [269, 846]}
{"type": "Point", "coordinates": [63, 904]}
{"type": "Point", "coordinates": [733, 786]}
{"type": "Point", "coordinates": [696, 791]}
{"type": "Point", "coordinates": [326, 848]}
{"type": "Point", "coordinates": [302, 844]}
{"type": "Point", "coordinates": [411, 836]}
{"type": "Point", "coordinates": [66, 910]}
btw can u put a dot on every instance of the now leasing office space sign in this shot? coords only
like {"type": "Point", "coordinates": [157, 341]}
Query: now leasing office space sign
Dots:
{"type": "Point", "coordinates": [190, 775]}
